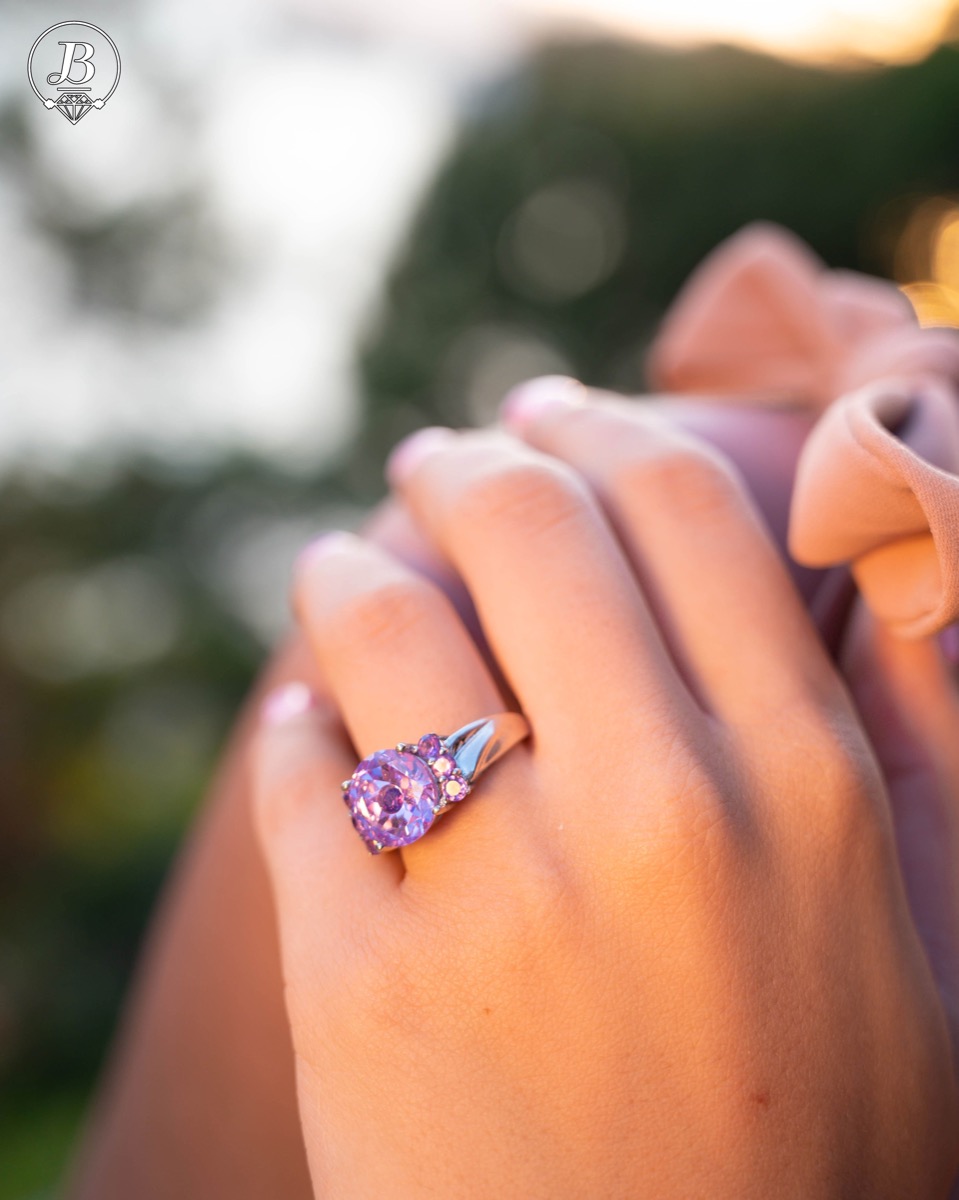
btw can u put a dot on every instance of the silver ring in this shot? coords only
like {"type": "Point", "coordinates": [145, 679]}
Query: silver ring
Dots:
{"type": "Point", "coordinates": [394, 796]}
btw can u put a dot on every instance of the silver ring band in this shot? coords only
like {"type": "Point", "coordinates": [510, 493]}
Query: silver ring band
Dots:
{"type": "Point", "coordinates": [479, 744]}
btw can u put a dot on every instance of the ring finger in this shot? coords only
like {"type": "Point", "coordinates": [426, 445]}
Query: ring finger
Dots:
{"type": "Point", "coordinates": [400, 664]}
{"type": "Point", "coordinates": [552, 588]}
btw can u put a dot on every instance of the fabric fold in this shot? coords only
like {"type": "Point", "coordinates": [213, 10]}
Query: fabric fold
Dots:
{"type": "Point", "coordinates": [763, 321]}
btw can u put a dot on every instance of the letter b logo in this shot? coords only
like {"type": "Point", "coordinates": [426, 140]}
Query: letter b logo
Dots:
{"type": "Point", "coordinates": [70, 60]}
{"type": "Point", "coordinates": [74, 68]}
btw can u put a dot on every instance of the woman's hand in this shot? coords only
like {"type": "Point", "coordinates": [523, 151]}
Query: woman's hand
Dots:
{"type": "Point", "coordinates": [904, 690]}
{"type": "Point", "coordinates": [664, 950]}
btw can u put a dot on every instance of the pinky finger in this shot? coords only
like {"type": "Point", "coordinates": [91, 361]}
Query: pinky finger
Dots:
{"type": "Point", "coordinates": [318, 866]}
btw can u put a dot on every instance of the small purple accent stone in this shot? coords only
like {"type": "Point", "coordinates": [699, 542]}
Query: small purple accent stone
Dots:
{"type": "Point", "coordinates": [393, 796]}
{"type": "Point", "coordinates": [429, 747]}
{"type": "Point", "coordinates": [443, 766]}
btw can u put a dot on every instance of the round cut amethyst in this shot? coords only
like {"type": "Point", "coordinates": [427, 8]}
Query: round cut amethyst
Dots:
{"type": "Point", "coordinates": [393, 797]}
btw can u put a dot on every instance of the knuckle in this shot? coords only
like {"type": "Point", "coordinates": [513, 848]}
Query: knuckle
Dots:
{"type": "Point", "coordinates": [822, 741]}
{"type": "Point", "coordinates": [388, 613]}
{"type": "Point", "coordinates": [826, 754]}
{"type": "Point", "coordinates": [690, 822]}
{"type": "Point", "coordinates": [695, 481]}
{"type": "Point", "coordinates": [695, 810]}
{"type": "Point", "coordinates": [693, 850]}
{"type": "Point", "coordinates": [531, 497]}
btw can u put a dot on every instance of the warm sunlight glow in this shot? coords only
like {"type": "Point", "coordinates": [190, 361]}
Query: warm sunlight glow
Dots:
{"type": "Point", "coordinates": [877, 30]}
{"type": "Point", "coordinates": [927, 261]}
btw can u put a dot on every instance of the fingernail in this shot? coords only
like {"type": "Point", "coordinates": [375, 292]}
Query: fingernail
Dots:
{"type": "Point", "coordinates": [529, 400]}
{"type": "Point", "coordinates": [326, 543]}
{"type": "Point", "coordinates": [287, 702]}
{"type": "Point", "coordinates": [415, 449]}
{"type": "Point", "coordinates": [948, 639]}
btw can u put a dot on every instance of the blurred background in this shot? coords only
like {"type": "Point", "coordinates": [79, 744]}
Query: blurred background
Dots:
{"type": "Point", "coordinates": [297, 231]}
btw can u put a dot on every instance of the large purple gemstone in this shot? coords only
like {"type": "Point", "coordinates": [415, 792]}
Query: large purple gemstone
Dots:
{"type": "Point", "coordinates": [392, 796]}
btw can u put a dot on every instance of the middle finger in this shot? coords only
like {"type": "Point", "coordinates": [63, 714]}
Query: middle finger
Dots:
{"type": "Point", "coordinates": [554, 592]}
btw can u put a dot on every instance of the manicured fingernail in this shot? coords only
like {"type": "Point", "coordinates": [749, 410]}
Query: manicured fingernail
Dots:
{"type": "Point", "coordinates": [949, 644]}
{"type": "Point", "coordinates": [532, 399]}
{"type": "Point", "coordinates": [415, 449]}
{"type": "Point", "coordinates": [287, 702]}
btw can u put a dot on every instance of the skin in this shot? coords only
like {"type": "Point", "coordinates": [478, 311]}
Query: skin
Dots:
{"type": "Point", "coordinates": [207, 1018]}
{"type": "Point", "coordinates": [198, 1098]}
{"type": "Point", "coordinates": [712, 982]}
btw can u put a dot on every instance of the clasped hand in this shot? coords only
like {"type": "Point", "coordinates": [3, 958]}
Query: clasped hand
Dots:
{"type": "Point", "coordinates": [665, 948]}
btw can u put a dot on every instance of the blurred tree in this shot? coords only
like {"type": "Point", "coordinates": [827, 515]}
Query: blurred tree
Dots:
{"type": "Point", "coordinates": [583, 191]}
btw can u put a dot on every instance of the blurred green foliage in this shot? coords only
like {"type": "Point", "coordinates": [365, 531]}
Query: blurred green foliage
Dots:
{"type": "Point", "coordinates": [682, 149]}
{"type": "Point", "coordinates": [581, 191]}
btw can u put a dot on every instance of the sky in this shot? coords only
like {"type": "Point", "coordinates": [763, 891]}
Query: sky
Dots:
{"type": "Point", "coordinates": [270, 117]}
{"type": "Point", "coordinates": [887, 30]}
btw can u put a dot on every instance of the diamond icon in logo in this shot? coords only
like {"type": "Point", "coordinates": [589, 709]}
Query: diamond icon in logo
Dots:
{"type": "Point", "coordinates": [73, 67]}
{"type": "Point", "coordinates": [74, 106]}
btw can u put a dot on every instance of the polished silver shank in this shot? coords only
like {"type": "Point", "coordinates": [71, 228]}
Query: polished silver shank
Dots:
{"type": "Point", "coordinates": [480, 743]}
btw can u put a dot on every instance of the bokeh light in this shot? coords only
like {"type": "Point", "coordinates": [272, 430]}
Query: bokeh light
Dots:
{"type": "Point", "coordinates": [926, 260]}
